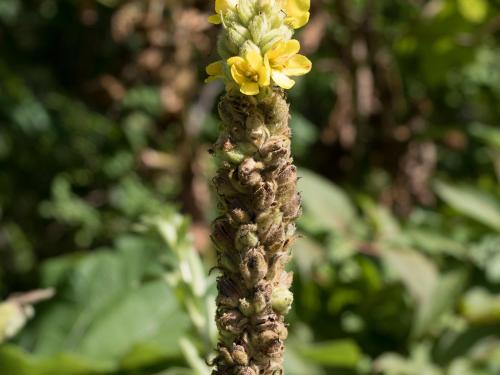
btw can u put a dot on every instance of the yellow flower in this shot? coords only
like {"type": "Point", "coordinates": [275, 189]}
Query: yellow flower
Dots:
{"type": "Point", "coordinates": [250, 73]}
{"type": "Point", "coordinates": [284, 62]}
{"type": "Point", "coordinates": [297, 12]}
{"type": "Point", "coordinates": [215, 70]}
{"type": "Point", "coordinates": [220, 7]}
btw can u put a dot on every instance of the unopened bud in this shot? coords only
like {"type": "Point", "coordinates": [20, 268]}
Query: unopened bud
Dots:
{"type": "Point", "coordinates": [249, 46]}
{"type": "Point", "coordinates": [258, 27]}
{"type": "Point", "coordinates": [274, 36]}
{"type": "Point", "coordinates": [246, 307]}
{"type": "Point", "coordinates": [281, 300]}
{"type": "Point", "coordinates": [237, 35]}
{"type": "Point", "coordinates": [246, 10]}
{"type": "Point", "coordinates": [246, 237]}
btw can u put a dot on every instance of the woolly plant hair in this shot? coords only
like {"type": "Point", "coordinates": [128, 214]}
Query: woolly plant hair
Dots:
{"type": "Point", "coordinates": [256, 181]}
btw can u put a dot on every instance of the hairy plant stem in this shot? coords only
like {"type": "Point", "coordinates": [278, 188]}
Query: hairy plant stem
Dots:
{"type": "Point", "coordinates": [256, 185]}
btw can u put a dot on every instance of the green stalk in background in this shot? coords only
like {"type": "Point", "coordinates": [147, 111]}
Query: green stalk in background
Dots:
{"type": "Point", "coordinates": [256, 181]}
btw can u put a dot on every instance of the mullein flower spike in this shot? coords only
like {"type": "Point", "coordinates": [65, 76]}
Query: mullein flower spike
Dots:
{"type": "Point", "coordinates": [256, 182]}
{"type": "Point", "coordinates": [256, 44]}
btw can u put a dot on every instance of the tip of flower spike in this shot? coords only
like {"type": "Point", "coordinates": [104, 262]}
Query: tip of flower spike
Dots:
{"type": "Point", "coordinates": [258, 44]}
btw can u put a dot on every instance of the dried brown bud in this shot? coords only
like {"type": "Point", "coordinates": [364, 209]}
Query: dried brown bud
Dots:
{"type": "Point", "coordinates": [257, 188]}
{"type": "Point", "coordinates": [264, 195]}
{"type": "Point", "coordinates": [254, 266]}
{"type": "Point", "coordinates": [229, 292]}
{"type": "Point", "coordinates": [246, 237]}
{"type": "Point", "coordinates": [275, 149]}
{"type": "Point", "coordinates": [248, 172]}
{"type": "Point", "coordinates": [240, 355]}
{"type": "Point", "coordinates": [231, 322]}
{"type": "Point", "coordinates": [223, 234]}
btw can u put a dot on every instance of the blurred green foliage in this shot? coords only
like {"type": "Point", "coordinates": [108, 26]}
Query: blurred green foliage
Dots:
{"type": "Point", "coordinates": [96, 191]}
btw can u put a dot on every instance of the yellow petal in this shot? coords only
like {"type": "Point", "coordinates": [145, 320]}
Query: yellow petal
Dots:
{"type": "Point", "coordinates": [276, 50]}
{"type": "Point", "coordinates": [215, 69]}
{"type": "Point", "coordinates": [215, 19]}
{"type": "Point", "coordinates": [254, 60]}
{"type": "Point", "coordinates": [224, 5]}
{"type": "Point", "coordinates": [291, 47]}
{"type": "Point", "coordinates": [298, 65]}
{"type": "Point", "coordinates": [296, 8]}
{"type": "Point", "coordinates": [237, 76]}
{"type": "Point", "coordinates": [235, 60]}
{"type": "Point", "coordinates": [282, 80]}
{"type": "Point", "coordinates": [250, 88]}
{"type": "Point", "coordinates": [298, 21]}
{"type": "Point", "coordinates": [264, 76]}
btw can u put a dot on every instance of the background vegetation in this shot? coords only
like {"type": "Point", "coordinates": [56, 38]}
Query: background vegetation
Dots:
{"type": "Point", "coordinates": [105, 190]}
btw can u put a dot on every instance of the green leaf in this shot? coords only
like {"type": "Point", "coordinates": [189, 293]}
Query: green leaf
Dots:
{"type": "Point", "coordinates": [327, 203]}
{"type": "Point", "coordinates": [104, 310]}
{"type": "Point", "coordinates": [471, 202]}
{"type": "Point", "coordinates": [337, 353]}
{"type": "Point", "coordinates": [15, 361]}
{"type": "Point", "coordinates": [435, 243]}
{"type": "Point", "coordinates": [414, 269]}
{"type": "Point", "coordinates": [442, 299]}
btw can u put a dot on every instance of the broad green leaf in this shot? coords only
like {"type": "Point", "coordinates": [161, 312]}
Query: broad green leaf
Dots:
{"type": "Point", "coordinates": [337, 353]}
{"type": "Point", "coordinates": [471, 202]}
{"type": "Point", "coordinates": [414, 269]}
{"type": "Point", "coordinates": [104, 310]}
{"type": "Point", "coordinates": [327, 203]}
{"type": "Point", "coordinates": [149, 313]}
{"type": "Point", "coordinates": [15, 361]}
{"type": "Point", "coordinates": [435, 243]}
{"type": "Point", "coordinates": [443, 297]}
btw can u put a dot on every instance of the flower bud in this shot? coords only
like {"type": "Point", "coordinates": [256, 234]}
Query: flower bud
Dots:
{"type": "Point", "coordinates": [259, 302]}
{"type": "Point", "coordinates": [229, 292]}
{"type": "Point", "coordinates": [225, 48]}
{"type": "Point", "coordinates": [291, 210]}
{"type": "Point", "coordinates": [237, 35]}
{"type": "Point", "coordinates": [246, 237]}
{"type": "Point", "coordinates": [274, 36]}
{"type": "Point", "coordinates": [248, 173]}
{"type": "Point", "coordinates": [258, 28]}
{"type": "Point", "coordinates": [240, 355]}
{"type": "Point", "coordinates": [264, 195]}
{"type": "Point", "coordinates": [225, 356]}
{"type": "Point", "coordinates": [268, 342]}
{"type": "Point", "coordinates": [239, 216]}
{"type": "Point", "coordinates": [223, 234]}
{"type": "Point", "coordinates": [275, 149]}
{"type": "Point", "coordinates": [249, 46]}
{"type": "Point", "coordinates": [281, 300]}
{"type": "Point", "coordinates": [231, 322]}
{"type": "Point", "coordinates": [246, 10]}
{"type": "Point", "coordinates": [254, 266]}
{"type": "Point", "coordinates": [246, 307]}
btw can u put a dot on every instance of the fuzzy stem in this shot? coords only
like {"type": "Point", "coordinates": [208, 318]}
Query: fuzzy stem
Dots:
{"type": "Point", "coordinates": [256, 186]}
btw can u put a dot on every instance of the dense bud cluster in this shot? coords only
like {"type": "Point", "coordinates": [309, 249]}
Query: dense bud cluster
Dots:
{"type": "Point", "coordinates": [256, 181]}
